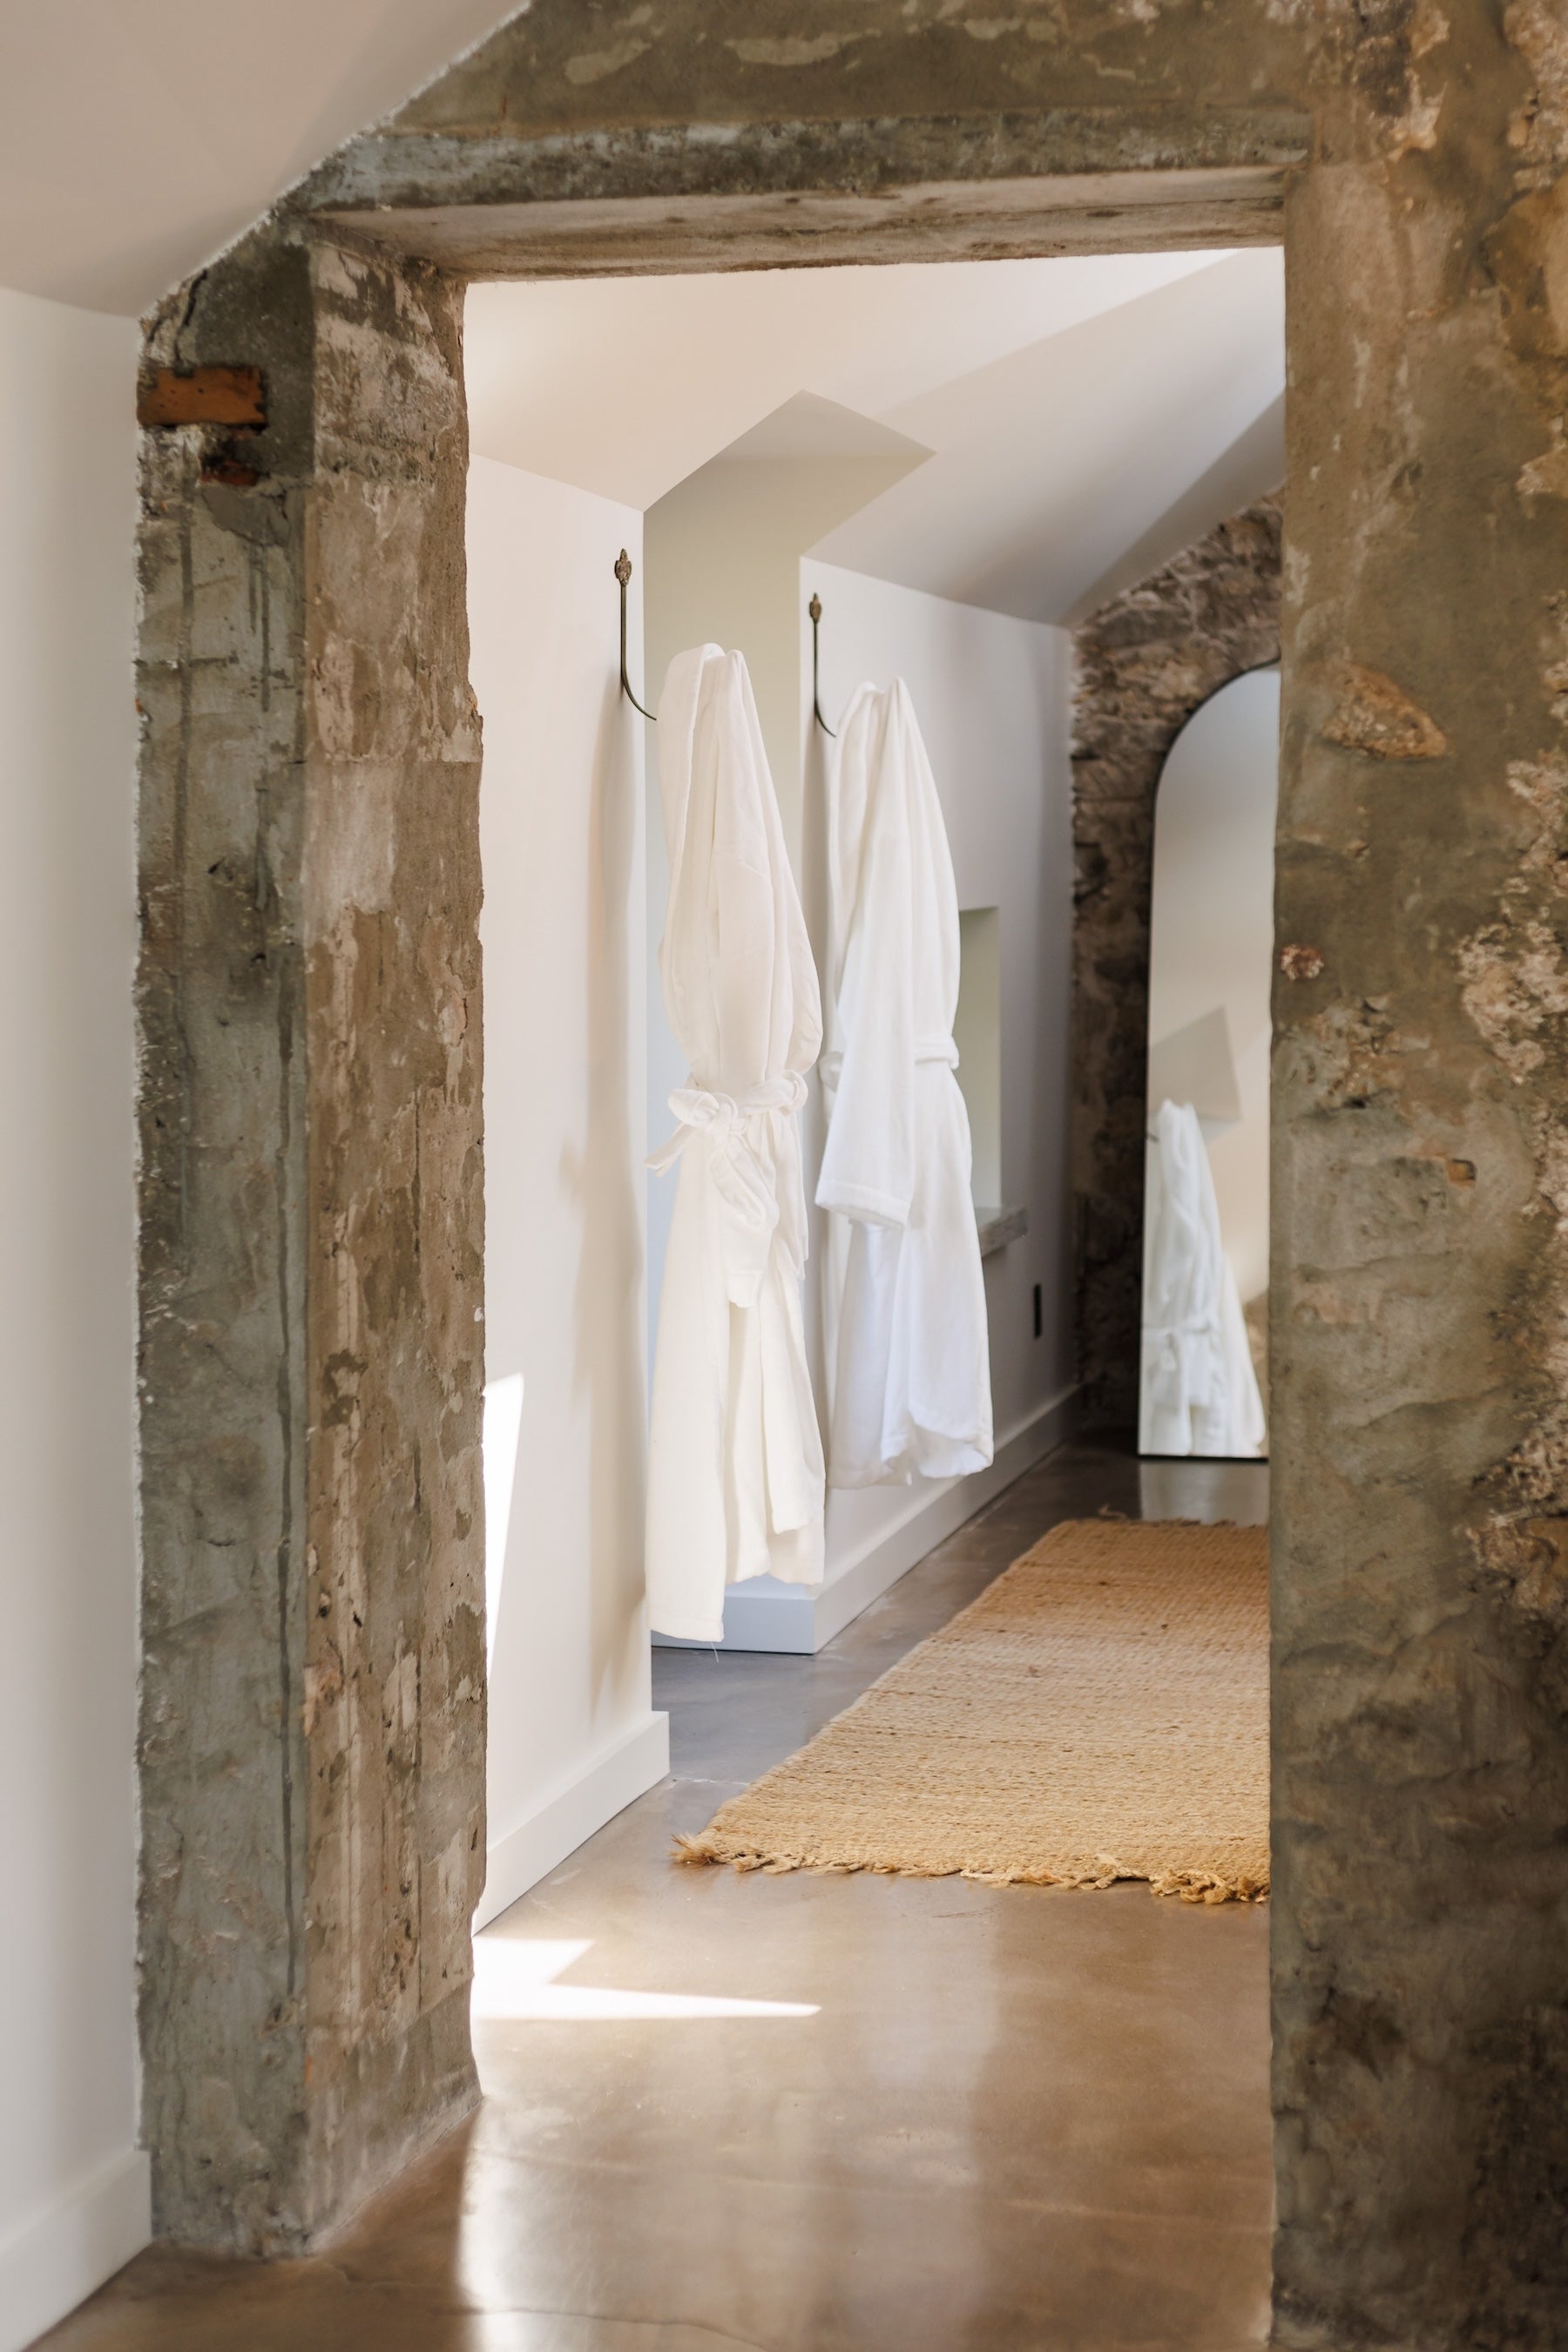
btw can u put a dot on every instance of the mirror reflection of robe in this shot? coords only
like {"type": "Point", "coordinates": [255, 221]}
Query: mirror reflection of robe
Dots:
{"type": "Point", "coordinates": [1200, 1392]}
{"type": "Point", "coordinates": [912, 1377]}
{"type": "Point", "coordinates": [735, 1476]}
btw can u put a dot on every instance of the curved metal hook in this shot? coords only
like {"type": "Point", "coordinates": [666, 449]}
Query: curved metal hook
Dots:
{"type": "Point", "coordinates": [624, 573]}
{"type": "Point", "coordinates": [814, 609]}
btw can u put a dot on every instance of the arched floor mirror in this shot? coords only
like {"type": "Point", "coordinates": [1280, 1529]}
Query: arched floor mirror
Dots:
{"type": "Point", "coordinates": [1203, 1383]}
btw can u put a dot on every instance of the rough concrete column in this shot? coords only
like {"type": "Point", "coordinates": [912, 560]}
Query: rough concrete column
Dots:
{"type": "Point", "coordinates": [1420, 1236]}
{"type": "Point", "coordinates": [311, 1343]}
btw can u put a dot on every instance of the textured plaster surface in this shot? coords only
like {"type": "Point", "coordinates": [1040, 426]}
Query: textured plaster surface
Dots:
{"type": "Point", "coordinates": [1142, 665]}
{"type": "Point", "coordinates": [1420, 1219]}
{"type": "Point", "coordinates": [312, 1357]}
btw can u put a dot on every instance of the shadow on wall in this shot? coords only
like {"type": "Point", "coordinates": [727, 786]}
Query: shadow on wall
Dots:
{"type": "Point", "coordinates": [562, 837]}
{"type": "Point", "coordinates": [597, 1176]}
{"type": "Point", "coordinates": [816, 751]}
{"type": "Point", "coordinates": [590, 1353]}
{"type": "Point", "coordinates": [609, 1373]}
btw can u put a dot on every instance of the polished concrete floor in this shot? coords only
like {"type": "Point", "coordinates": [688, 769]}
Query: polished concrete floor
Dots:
{"type": "Point", "coordinates": [814, 2114]}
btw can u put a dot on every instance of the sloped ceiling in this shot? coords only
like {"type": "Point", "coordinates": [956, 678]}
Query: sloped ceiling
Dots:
{"type": "Point", "coordinates": [1078, 415]}
{"type": "Point", "coordinates": [626, 385]}
{"type": "Point", "coordinates": [1049, 465]}
{"type": "Point", "coordinates": [1081, 415]}
{"type": "Point", "coordinates": [806, 425]}
{"type": "Point", "coordinates": [138, 137]}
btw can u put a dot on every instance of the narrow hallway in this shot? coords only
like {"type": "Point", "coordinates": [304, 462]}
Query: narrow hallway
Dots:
{"type": "Point", "coordinates": [974, 2117]}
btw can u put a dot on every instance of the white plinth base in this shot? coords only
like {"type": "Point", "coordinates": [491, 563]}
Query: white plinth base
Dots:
{"type": "Point", "coordinates": [764, 1614]}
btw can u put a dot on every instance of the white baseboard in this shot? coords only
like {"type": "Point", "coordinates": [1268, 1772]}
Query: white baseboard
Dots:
{"type": "Point", "coordinates": [57, 2259]}
{"type": "Point", "coordinates": [936, 1513]}
{"type": "Point", "coordinates": [604, 1784]}
{"type": "Point", "coordinates": [764, 1614]}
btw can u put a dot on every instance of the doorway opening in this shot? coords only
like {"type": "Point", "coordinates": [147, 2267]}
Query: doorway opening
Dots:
{"type": "Point", "coordinates": [875, 447]}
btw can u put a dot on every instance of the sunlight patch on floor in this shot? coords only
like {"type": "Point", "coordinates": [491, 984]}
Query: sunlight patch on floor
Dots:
{"type": "Point", "coordinates": [515, 1977]}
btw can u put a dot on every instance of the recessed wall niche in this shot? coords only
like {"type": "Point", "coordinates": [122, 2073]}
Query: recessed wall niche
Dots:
{"type": "Point", "coordinates": [977, 1034]}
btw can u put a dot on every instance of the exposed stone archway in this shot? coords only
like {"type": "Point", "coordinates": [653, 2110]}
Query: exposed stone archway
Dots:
{"type": "Point", "coordinates": [1144, 664]}
{"type": "Point", "coordinates": [310, 1053]}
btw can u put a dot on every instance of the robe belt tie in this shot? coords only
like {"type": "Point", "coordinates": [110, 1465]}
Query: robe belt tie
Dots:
{"type": "Point", "coordinates": [754, 1158]}
{"type": "Point", "coordinates": [932, 1048]}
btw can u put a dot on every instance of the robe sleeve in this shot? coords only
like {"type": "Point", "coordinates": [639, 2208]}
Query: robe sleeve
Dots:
{"type": "Point", "coordinates": [868, 1167]}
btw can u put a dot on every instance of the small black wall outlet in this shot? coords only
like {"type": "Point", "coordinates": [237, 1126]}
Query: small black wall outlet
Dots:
{"type": "Point", "coordinates": [1040, 1312]}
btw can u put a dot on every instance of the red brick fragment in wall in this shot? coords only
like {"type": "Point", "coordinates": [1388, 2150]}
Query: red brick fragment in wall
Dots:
{"type": "Point", "coordinates": [202, 396]}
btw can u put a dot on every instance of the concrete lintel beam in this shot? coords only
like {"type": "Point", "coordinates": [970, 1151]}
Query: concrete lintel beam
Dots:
{"type": "Point", "coordinates": [429, 170]}
{"type": "Point", "coordinates": [1108, 212]}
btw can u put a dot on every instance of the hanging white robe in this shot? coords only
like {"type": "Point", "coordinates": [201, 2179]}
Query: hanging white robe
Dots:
{"type": "Point", "coordinates": [735, 1476]}
{"type": "Point", "coordinates": [906, 1308]}
{"type": "Point", "coordinates": [1200, 1394]}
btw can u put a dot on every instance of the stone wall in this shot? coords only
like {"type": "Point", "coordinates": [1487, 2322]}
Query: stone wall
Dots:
{"type": "Point", "coordinates": [1144, 664]}
{"type": "Point", "coordinates": [311, 1202]}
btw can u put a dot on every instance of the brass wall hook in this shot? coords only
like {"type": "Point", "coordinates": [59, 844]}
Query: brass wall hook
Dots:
{"type": "Point", "coordinates": [814, 609]}
{"type": "Point", "coordinates": [624, 573]}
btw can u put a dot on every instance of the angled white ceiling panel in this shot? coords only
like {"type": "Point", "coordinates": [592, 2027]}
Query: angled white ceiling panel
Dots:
{"type": "Point", "coordinates": [626, 385]}
{"type": "Point", "coordinates": [138, 137]}
{"type": "Point", "coordinates": [1050, 463]}
{"type": "Point", "coordinates": [1077, 412]}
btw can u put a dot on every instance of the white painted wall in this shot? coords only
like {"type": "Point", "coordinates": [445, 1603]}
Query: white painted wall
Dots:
{"type": "Point", "coordinates": [73, 2187]}
{"type": "Point", "coordinates": [724, 561]}
{"type": "Point", "coordinates": [572, 1736]}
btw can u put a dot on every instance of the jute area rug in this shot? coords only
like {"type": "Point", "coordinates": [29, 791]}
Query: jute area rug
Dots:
{"type": "Point", "coordinates": [1101, 1712]}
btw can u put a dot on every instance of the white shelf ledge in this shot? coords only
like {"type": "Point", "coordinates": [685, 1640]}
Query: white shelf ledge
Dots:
{"type": "Point", "coordinates": [1000, 1226]}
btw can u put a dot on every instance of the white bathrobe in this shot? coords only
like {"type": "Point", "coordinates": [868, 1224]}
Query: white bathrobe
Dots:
{"type": "Point", "coordinates": [736, 1482]}
{"type": "Point", "coordinates": [1200, 1394]}
{"type": "Point", "coordinates": [905, 1310]}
